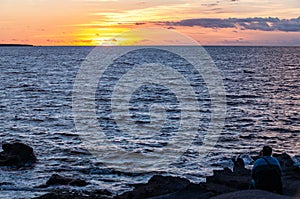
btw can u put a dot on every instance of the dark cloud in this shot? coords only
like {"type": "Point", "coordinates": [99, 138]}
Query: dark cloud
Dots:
{"type": "Point", "coordinates": [292, 25]}
{"type": "Point", "coordinates": [206, 22]}
{"type": "Point", "coordinates": [255, 23]}
{"type": "Point", "coordinates": [139, 23]}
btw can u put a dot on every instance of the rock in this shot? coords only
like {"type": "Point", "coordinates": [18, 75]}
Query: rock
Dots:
{"type": "Point", "coordinates": [156, 186]}
{"type": "Point", "coordinates": [56, 179]}
{"type": "Point", "coordinates": [285, 161]}
{"type": "Point", "coordinates": [233, 180]}
{"type": "Point", "coordinates": [192, 191]}
{"type": "Point", "coordinates": [291, 182]}
{"type": "Point", "coordinates": [17, 154]}
{"type": "Point", "coordinates": [5, 183]}
{"type": "Point", "coordinates": [78, 183]}
{"type": "Point", "coordinates": [249, 194]}
{"type": "Point", "coordinates": [290, 174]}
{"type": "Point", "coordinates": [72, 194]}
{"type": "Point", "coordinates": [218, 188]}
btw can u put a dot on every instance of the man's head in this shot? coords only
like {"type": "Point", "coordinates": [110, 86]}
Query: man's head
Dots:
{"type": "Point", "coordinates": [267, 151]}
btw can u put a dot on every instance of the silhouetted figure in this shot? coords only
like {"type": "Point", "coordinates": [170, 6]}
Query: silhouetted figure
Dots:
{"type": "Point", "coordinates": [266, 172]}
{"type": "Point", "coordinates": [239, 166]}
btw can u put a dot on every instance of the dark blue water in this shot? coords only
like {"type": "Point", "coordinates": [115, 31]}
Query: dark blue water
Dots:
{"type": "Point", "coordinates": [262, 87]}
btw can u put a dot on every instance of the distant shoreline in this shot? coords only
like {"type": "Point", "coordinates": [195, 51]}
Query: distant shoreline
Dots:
{"type": "Point", "coordinates": [15, 45]}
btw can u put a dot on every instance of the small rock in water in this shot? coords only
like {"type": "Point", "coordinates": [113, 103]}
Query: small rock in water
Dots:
{"type": "Point", "coordinates": [17, 155]}
{"type": "Point", "coordinates": [56, 179]}
{"type": "Point", "coordinates": [78, 183]}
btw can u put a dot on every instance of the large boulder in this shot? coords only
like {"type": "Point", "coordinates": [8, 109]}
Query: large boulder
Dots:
{"type": "Point", "coordinates": [290, 174]}
{"type": "Point", "coordinates": [285, 161]}
{"type": "Point", "coordinates": [249, 194]}
{"type": "Point", "coordinates": [225, 180]}
{"type": "Point", "coordinates": [192, 191]}
{"type": "Point", "coordinates": [156, 186]}
{"type": "Point", "coordinates": [17, 154]}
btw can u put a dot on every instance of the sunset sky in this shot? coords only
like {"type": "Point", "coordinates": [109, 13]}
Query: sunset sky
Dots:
{"type": "Point", "coordinates": [99, 22]}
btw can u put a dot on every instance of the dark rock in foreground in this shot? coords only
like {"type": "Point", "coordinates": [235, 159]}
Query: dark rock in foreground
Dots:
{"type": "Point", "coordinates": [166, 187]}
{"type": "Point", "coordinates": [68, 194]}
{"type": "Point", "coordinates": [157, 185]}
{"type": "Point", "coordinates": [17, 155]}
{"type": "Point", "coordinates": [251, 194]}
{"type": "Point", "coordinates": [225, 180]}
{"type": "Point", "coordinates": [192, 191]}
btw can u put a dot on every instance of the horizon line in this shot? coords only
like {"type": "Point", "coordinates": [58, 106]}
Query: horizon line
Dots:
{"type": "Point", "coordinates": [207, 45]}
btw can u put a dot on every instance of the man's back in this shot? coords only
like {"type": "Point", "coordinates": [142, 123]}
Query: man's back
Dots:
{"type": "Point", "coordinates": [266, 173]}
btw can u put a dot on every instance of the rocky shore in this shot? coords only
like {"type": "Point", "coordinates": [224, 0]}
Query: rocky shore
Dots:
{"type": "Point", "coordinates": [222, 184]}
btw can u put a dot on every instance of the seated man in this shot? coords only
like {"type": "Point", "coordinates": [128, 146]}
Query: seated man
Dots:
{"type": "Point", "coordinates": [266, 172]}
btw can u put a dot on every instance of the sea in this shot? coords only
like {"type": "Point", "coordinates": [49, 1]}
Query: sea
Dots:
{"type": "Point", "coordinates": [138, 114]}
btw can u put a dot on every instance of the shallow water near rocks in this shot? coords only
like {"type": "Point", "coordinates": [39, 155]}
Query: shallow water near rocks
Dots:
{"type": "Point", "coordinates": [263, 95]}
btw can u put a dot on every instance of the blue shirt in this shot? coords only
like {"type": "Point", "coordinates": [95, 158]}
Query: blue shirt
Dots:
{"type": "Point", "coordinates": [262, 162]}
